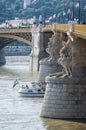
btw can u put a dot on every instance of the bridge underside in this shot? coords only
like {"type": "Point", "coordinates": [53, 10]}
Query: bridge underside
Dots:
{"type": "Point", "coordinates": [12, 37]}
{"type": "Point", "coordinates": [9, 38]}
{"type": "Point", "coordinates": [5, 41]}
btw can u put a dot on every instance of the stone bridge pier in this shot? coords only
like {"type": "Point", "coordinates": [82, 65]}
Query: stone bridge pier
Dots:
{"type": "Point", "coordinates": [65, 96]}
{"type": "Point", "coordinates": [79, 58]}
{"type": "Point", "coordinates": [39, 45]}
{"type": "Point", "coordinates": [2, 58]}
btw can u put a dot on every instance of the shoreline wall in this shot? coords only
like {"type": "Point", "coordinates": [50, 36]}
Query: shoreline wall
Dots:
{"type": "Point", "coordinates": [2, 58]}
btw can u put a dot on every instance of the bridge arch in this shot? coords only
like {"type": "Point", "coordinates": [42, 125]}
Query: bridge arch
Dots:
{"type": "Point", "coordinates": [12, 38]}
{"type": "Point", "coordinates": [6, 39]}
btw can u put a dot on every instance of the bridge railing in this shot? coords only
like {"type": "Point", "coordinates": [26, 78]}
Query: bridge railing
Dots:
{"type": "Point", "coordinates": [15, 30]}
{"type": "Point", "coordinates": [58, 27]}
{"type": "Point", "coordinates": [65, 27]}
{"type": "Point", "coordinates": [62, 27]}
{"type": "Point", "coordinates": [79, 30]}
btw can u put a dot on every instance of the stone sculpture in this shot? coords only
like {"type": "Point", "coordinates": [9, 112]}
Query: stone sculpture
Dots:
{"type": "Point", "coordinates": [49, 65]}
{"type": "Point", "coordinates": [65, 59]}
{"type": "Point", "coordinates": [53, 47]}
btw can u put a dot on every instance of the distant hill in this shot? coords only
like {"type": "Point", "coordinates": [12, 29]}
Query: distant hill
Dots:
{"type": "Point", "coordinates": [60, 10]}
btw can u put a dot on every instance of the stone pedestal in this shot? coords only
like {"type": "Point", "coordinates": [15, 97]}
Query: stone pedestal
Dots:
{"type": "Point", "coordinates": [46, 68]}
{"type": "Point", "coordinates": [64, 98]}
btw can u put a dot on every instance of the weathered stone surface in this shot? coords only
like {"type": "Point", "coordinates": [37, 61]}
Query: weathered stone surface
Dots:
{"type": "Point", "coordinates": [65, 59]}
{"type": "Point", "coordinates": [46, 68]}
{"type": "Point", "coordinates": [64, 98]}
{"type": "Point", "coordinates": [49, 65]}
{"type": "Point", "coordinates": [79, 58]}
{"type": "Point", "coordinates": [54, 45]}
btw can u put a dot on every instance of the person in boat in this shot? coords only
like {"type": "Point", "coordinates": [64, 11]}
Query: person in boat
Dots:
{"type": "Point", "coordinates": [27, 86]}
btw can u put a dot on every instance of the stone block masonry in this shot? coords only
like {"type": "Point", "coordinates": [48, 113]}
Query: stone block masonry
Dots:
{"type": "Point", "coordinates": [64, 98]}
{"type": "Point", "coordinates": [46, 68]}
{"type": "Point", "coordinates": [79, 58]}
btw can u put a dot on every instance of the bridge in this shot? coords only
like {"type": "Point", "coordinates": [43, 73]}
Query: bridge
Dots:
{"type": "Point", "coordinates": [24, 34]}
{"type": "Point", "coordinates": [28, 34]}
{"type": "Point", "coordinates": [64, 45]}
{"type": "Point", "coordinates": [78, 30]}
{"type": "Point", "coordinates": [9, 35]}
{"type": "Point", "coordinates": [65, 91]}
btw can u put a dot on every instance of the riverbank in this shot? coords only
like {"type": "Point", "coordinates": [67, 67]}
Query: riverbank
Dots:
{"type": "Point", "coordinates": [17, 50]}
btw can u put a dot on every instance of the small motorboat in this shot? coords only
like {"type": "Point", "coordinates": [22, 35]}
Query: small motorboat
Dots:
{"type": "Point", "coordinates": [33, 89]}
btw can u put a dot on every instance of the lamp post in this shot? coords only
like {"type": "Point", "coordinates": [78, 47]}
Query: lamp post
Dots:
{"type": "Point", "coordinates": [79, 12]}
{"type": "Point", "coordinates": [73, 11]}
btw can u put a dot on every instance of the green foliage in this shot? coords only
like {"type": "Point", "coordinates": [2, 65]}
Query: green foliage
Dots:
{"type": "Point", "coordinates": [9, 9]}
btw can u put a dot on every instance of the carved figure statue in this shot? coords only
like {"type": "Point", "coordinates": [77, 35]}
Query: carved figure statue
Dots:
{"type": "Point", "coordinates": [65, 59]}
{"type": "Point", "coordinates": [53, 47]}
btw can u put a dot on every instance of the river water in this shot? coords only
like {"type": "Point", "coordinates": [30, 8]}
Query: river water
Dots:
{"type": "Point", "coordinates": [20, 113]}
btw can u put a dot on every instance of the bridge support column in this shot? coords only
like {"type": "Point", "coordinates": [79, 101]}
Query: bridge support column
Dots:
{"type": "Point", "coordinates": [43, 43]}
{"type": "Point", "coordinates": [66, 97]}
{"type": "Point", "coordinates": [2, 58]}
{"type": "Point", "coordinates": [40, 41]}
{"type": "Point", "coordinates": [33, 63]}
{"type": "Point", "coordinates": [79, 58]}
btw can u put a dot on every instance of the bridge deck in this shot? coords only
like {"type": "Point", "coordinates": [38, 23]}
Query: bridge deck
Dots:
{"type": "Point", "coordinates": [16, 30]}
{"type": "Point", "coordinates": [79, 30]}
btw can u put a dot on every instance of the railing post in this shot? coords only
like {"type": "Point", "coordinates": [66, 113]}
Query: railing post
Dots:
{"type": "Point", "coordinates": [71, 26]}
{"type": "Point", "coordinates": [54, 27]}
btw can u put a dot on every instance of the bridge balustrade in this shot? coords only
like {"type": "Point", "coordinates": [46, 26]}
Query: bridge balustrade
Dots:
{"type": "Point", "coordinates": [79, 30]}
{"type": "Point", "coordinates": [15, 30]}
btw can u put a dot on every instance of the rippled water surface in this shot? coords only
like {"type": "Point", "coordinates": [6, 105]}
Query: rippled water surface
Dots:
{"type": "Point", "coordinates": [20, 113]}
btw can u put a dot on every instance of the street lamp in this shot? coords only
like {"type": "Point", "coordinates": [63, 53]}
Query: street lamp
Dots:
{"type": "Point", "coordinates": [73, 10]}
{"type": "Point", "coordinates": [79, 12]}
